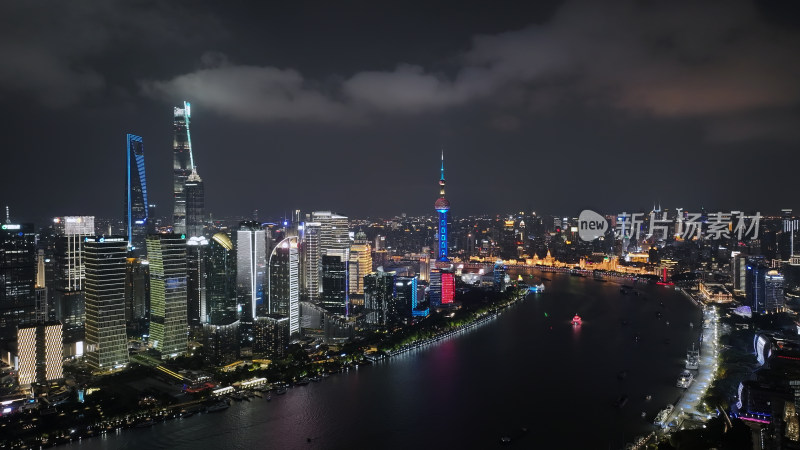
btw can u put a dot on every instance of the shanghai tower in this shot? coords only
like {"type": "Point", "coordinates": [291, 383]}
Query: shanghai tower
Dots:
{"type": "Point", "coordinates": [182, 165]}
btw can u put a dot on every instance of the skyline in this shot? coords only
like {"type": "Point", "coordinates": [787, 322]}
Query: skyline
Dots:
{"type": "Point", "coordinates": [532, 112]}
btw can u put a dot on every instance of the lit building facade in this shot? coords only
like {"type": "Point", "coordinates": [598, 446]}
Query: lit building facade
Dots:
{"type": "Point", "coordinates": [360, 263]}
{"type": "Point", "coordinates": [168, 323]}
{"type": "Point", "coordinates": [106, 340]}
{"type": "Point", "coordinates": [70, 270]}
{"type": "Point", "coordinates": [195, 205]}
{"type": "Point", "coordinates": [378, 293]}
{"type": "Point", "coordinates": [271, 335]}
{"type": "Point", "coordinates": [312, 260]}
{"type": "Point", "coordinates": [221, 343]}
{"type": "Point", "coordinates": [251, 267]}
{"type": "Point", "coordinates": [17, 277]}
{"type": "Point", "coordinates": [182, 164]}
{"type": "Point", "coordinates": [196, 248]}
{"type": "Point", "coordinates": [774, 299]}
{"type": "Point", "coordinates": [39, 358]}
{"type": "Point", "coordinates": [220, 274]}
{"type": "Point", "coordinates": [284, 282]}
{"type": "Point", "coordinates": [136, 206]}
{"type": "Point", "coordinates": [334, 284]}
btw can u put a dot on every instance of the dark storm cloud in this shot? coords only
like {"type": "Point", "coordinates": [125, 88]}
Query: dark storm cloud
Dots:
{"type": "Point", "coordinates": [50, 50]}
{"type": "Point", "coordinates": [715, 61]}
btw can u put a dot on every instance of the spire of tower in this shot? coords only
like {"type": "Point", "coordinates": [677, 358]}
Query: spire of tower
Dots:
{"type": "Point", "coordinates": [442, 164]}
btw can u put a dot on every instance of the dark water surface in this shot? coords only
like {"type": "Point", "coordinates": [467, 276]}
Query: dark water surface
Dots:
{"type": "Point", "coordinates": [523, 369]}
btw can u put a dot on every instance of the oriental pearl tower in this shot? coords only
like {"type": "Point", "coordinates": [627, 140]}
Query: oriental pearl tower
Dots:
{"type": "Point", "coordinates": [442, 206]}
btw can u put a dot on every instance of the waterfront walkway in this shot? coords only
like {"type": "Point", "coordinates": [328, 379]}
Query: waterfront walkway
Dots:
{"type": "Point", "coordinates": [690, 405]}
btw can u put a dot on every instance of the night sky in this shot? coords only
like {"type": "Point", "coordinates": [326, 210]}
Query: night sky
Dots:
{"type": "Point", "coordinates": [545, 106]}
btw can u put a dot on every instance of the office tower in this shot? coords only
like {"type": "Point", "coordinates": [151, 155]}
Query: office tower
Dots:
{"type": "Point", "coordinates": [739, 268]}
{"type": "Point", "coordinates": [137, 220]}
{"type": "Point", "coordinates": [70, 272]}
{"type": "Point", "coordinates": [442, 287]}
{"type": "Point", "coordinates": [196, 287]}
{"type": "Point", "coordinates": [221, 343]}
{"type": "Point", "coordinates": [220, 270]}
{"type": "Point", "coordinates": [334, 233]}
{"type": "Point", "coordinates": [404, 299]}
{"type": "Point", "coordinates": [39, 353]}
{"type": "Point", "coordinates": [360, 264]}
{"type": "Point", "coordinates": [773, 292]}
{"type": "Point", "coordinates": [334, 284]}
{"type": "Point", "coordinates": [755, 287]}
{"type": "Point", "coordinates": [378, 292]}
{"type": "Point", "coordinates": [251, 247]}
{"type": "Point", "coordinates": [17, 277]}
{"type": "Point", "coordinates": [137, 295]}
{"type": "Point", "coordinates": [271, 335]}
{"type": "Point", "coordinates": [195, 204]}
{"type": "Point", "coordinates": [106, 341]}
{"type": "Point", "coordinates": [284, 282]}
{"type": "Point", "coordinates": [499, 276]}
{"type": "Point", "coordinates": [168, 327]}
{"type": "Point", "coordinates": [442, 206]}
{"type": "Point", "coordinates": [182, 164]}
{"type": "Point", "coordinates": [312, 259]}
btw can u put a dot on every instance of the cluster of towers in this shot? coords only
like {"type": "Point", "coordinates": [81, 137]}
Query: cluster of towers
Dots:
{"type": "Point", "coordinates": [240, 290]}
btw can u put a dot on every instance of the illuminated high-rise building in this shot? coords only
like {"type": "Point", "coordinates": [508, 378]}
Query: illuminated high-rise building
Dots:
{"type": "Point", "coordinates": [70, 271]}
{"type": "Point", "coordinates": [168, 325]}
{"type": "Point", "coordinates": [196, 248]}
{"type": "Point", "coordinates": [284, 282]}
{"type": "Point", "coordinates": [106, 340]}
{"type": "Point", "coordinates": [39, 353]}
{"type": "Point", "coordinates": [774, 299]}
{"type": "Point", "coordinates": [220, 273]}
{"type": "Point", "coordinates": [182, 165]}
{"type": "Point", "coordinates": [360, 264]}
{"type": "Point", "coordinates": [195, 204]}
{"type": "Point", "coordinates": [137, 220]}
{"type": "Point", "coordinates": [442, 206]}
{"type": "Point", "coordinates": [334, 284]}
{"type": "Point", "coordinates": [17, 277]}
{"type": "Point", "coordinates": [378, 292]}
{"type": "Point", "coordinates": [312, 260]}
{"type": "Point", "coordinates": [251, 266]}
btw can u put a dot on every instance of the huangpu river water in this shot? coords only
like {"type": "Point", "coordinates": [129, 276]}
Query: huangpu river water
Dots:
{"type": "Point", "coordinates": [527, 368]}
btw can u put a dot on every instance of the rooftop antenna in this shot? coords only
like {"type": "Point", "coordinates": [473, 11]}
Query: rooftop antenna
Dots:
{"type": "Point", "coordinates": [8, 215]}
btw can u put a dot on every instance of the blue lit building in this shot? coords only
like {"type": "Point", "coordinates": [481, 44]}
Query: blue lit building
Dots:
{"type": "Point", "coordinates": [136, 214]}
{"type": "Point", "coordinates": [442, 206]}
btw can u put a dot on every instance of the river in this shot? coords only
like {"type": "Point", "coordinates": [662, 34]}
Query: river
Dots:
{"type": "Point", "coordinates": [528, 368]}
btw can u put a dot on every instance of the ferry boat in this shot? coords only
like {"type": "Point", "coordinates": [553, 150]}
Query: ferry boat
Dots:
{"type": "Point", "coordinates": [685, 379]}
{"type": "Point", "coordinates": [576, 320]}
{"type": "Point", "coordinates": [693, 359]}
{"type": "Point", "coordinates": [661, 417]}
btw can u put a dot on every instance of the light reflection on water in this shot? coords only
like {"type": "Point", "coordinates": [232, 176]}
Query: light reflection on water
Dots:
{"type": "Point", "coordinates": [521, 369]}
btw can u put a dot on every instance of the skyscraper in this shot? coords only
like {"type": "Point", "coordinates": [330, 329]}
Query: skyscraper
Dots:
{"type": "Point", "coordinates": [442, 206]}
{"type": "Point", "coordinates": [106, 341]}
{"type": "Point", "coordinates": [312, 260]}
{"type": "Point", "coordinates": [182, 164]}
{"type": "Point", "coordinates": [360, 263]}
{"type": "Point", "coordinates": [378, 292]}
{"type": "Point", "coordinates": [196, 248]}
{"type": "Point", "coordinates": [755, 289]}
{"type": "Point", "coordinates": [70, 271]}
{"type": "Point", "coordinates": [220, 269]}
{"type": "Point", "coordinates": [39, 349]}
{"type": "Point", "coordinates": [251, 247]}
{"type": "Point", "coordinates": [168, 324]}
{"type": "Point", "coordinates": [17, 276]}
{"type": "Point", "coordinates": [284, 282]}
{"type": "Point", "coordinates": [334, 284]}
{"type": "Point", "coordinates": [195, 204]}
{"type": "Point", "coordinates": [136, 206]}
{"type": "Point", "coordinates": [773, 292]}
